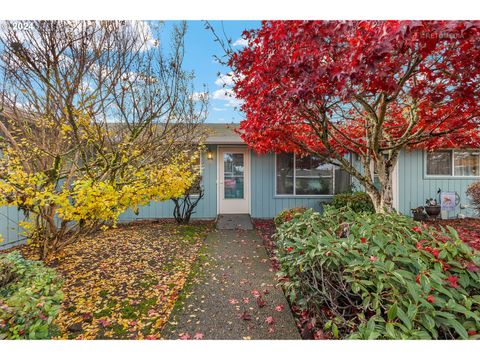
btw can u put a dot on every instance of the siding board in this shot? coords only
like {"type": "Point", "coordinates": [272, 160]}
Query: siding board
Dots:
{"type": "Point", "coordinates": [415, 187]}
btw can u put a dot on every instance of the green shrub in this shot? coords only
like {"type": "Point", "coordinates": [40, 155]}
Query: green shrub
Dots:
{"type": "Point", "coordinates": [357, 201]}
{"type": "Point", "coordinates": [288, 214]}
{"type": "Point", "coordinates": [370, 276]}
{"type": "Point", "coordinates": [30, 298]}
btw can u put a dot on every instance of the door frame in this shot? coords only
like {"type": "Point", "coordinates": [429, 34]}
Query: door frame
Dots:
{"type": "Point", "coordinates": [248, 167]}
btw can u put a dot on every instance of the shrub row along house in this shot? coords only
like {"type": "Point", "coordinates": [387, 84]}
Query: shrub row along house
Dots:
{"type": "Point", "coordinates": [238, 180]}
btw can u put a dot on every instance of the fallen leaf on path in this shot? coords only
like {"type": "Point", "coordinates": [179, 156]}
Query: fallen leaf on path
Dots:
{"type": "Point", "coordinates": [270, 320]}
{"type": "Point", "coordinates": [246, 316]}
{"type": "Point", "coordinates": [185, 336]}
{"type": "Point", "coordinates": [256, 293]}
{"type": "Point", "coordinates": [260, 302]}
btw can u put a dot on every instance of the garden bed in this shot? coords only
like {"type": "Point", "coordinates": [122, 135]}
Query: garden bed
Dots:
{"type": "Point", "coordinates": [123, 283]}
{"type": "Point", "coordinates": [468, 229]}
{"type": "Point", "coordinates": [309, 318]}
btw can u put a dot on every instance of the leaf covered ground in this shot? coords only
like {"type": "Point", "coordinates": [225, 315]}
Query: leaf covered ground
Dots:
{"type": "Point", "coordinates": [123, 283]}
{"type": "Point", "coordinates": [468, 229]}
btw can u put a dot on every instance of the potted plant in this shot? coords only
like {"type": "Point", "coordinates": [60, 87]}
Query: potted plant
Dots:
{"type": "Point", "coordinates": [432, 208]}
{"type": "Point", "coordinates": [419, 214]}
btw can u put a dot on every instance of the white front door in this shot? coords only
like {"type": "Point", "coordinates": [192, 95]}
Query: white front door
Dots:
{"type": "Point", "coordinates": [234, 180]}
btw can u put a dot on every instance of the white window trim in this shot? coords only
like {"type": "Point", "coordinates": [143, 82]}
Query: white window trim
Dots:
{"type": "Point", "coordinates": [452, 151]}
{"type": "Point", "coordinates": [294, 195]}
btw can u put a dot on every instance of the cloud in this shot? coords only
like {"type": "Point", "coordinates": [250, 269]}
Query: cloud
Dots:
{"type": "Point", "coordinates": [240, 42]}
{"type": "Point", "coordinates": [228, 96]}
{"type": "Point", "coordinates": [223, 94]}
{"type": "Point", "coordinates": [224, 79]}
{"type": "Point", "coordinates": [219, 109]}
{"type": "Point", "coordinates": [143, 31]}
{"type": "Point", "coordinates": [199, 95]}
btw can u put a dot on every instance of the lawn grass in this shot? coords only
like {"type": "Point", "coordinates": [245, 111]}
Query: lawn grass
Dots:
{"type": "Point", "coordinates": [123, 283]}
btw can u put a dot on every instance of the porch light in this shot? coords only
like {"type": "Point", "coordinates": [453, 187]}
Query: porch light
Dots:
{"type": "Point", "coordinates": [209, 155]}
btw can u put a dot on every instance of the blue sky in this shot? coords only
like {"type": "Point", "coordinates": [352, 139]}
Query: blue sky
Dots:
{"type": "Point", "coordinates": [200, 49]}
{"type": "Point", "coordinates": [200, 52]}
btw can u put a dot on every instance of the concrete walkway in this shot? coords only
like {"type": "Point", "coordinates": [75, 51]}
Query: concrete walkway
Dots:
{"type": "Point", "coordinates": [234, 295]}
{"type": "Point", "coordinates": [234, 222]}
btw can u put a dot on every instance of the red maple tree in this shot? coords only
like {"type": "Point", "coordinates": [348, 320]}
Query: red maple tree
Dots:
{"type": "Point", "coordinates": [371, 88]}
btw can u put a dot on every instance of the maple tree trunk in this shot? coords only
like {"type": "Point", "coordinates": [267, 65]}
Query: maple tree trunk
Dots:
{"type": "Point", "coordinates": [383, 203]}
{"type": "Point", "coordinates": [382, 198]}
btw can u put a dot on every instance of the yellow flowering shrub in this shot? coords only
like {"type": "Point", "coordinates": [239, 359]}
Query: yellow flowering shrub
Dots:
{"type": "Point", "coordinates": [94, 202]}
{"type": "Point", "coordinates": [91, 201]}
{"type": "Point", "coordinates": [86, 178]}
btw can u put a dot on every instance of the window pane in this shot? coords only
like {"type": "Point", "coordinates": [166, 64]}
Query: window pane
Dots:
{"type": "Point", "coordinates": [342, 181]}
{"type": "Point", "coordinates": [284, 174]}
{"type": "Point", "coordinates": [314, 186]}
{"type": "Point", "coordinates": [312, 167]}
{"type": "Point", "coordinates": [439, 163]}
{"type": "Point", "coordinates": [233, 176]}
{"type": "Point", "coordinates": [466, 163]}
{"type": "Point", "coordinates": [313, 177]}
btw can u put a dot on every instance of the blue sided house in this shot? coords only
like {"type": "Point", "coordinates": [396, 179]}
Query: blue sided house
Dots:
{"type": "Point", "coordinates": [236, 180]}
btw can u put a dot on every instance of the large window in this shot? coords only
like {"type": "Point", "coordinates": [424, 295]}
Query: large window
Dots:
{"type": "Point", "coordinates": [453, 163]}
{"type": "Point", "coordinates": [308, 175]}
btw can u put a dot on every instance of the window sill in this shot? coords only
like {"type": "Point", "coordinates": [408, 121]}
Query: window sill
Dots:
{"type": "Point", "coordinates": [303, 196]}
{"type": "Point", "coordinates": [450, 177]}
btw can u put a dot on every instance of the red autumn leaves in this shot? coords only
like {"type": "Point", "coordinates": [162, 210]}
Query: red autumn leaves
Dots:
{"type": "Point", "coordinates": [295, 70]}
{"type": "Point", "coordinates": [468, 230]}
{"type": "Point", "coordinates": [417, 229]}
{"type": "Point", "coordinates": [261, 303]}
{"type": "Point", "coordinates": [451, 280]}
{"type": "Point", "coordinates": [186, 336]}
